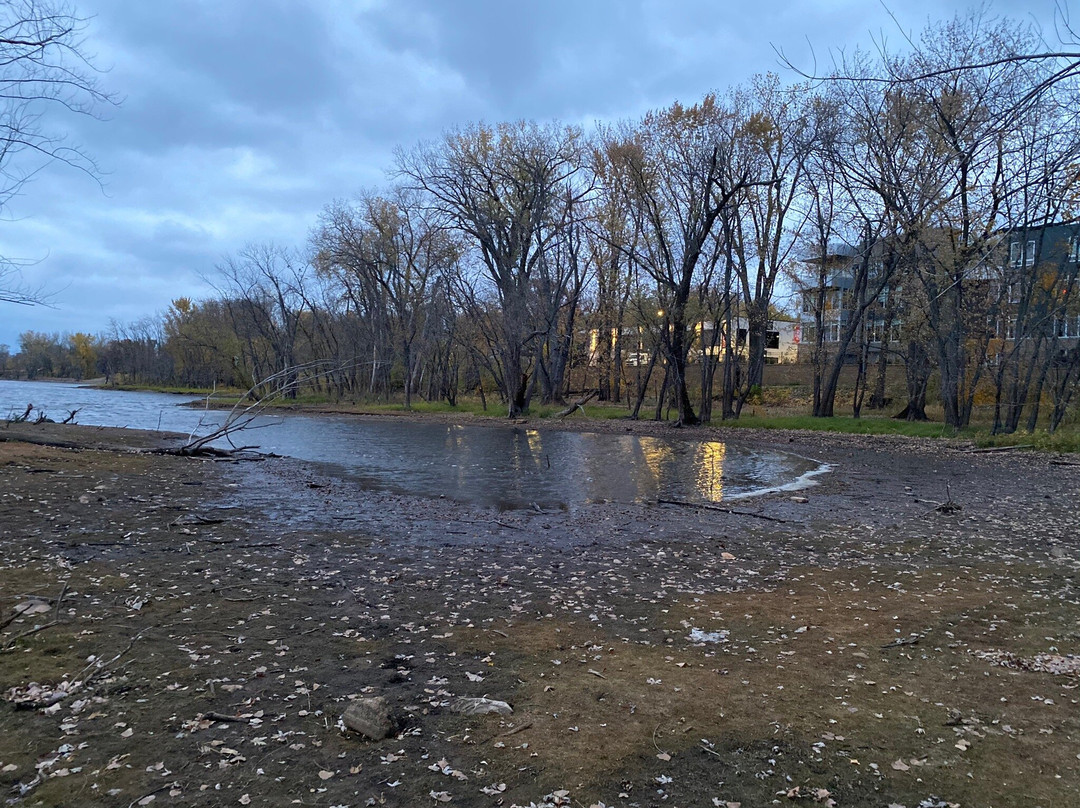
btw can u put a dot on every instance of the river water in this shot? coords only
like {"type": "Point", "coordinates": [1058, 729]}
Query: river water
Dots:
{"type": "Point", "coordinates": [490, 465]}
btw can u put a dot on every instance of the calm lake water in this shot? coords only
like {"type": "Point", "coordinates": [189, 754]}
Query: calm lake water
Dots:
{"type": "Point", "coordinates": [500, 466]}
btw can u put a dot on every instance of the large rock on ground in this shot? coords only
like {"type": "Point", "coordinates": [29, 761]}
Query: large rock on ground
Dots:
{"type": "Point", "coordinates": [369, 717]}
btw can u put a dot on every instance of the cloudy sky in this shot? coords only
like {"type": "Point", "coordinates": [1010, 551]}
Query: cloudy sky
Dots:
{"type": "Point", "coordinates": [241, 119]}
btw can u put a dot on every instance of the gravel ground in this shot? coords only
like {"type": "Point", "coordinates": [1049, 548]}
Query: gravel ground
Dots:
{"type": "Point", "coordinates": [178, 631]}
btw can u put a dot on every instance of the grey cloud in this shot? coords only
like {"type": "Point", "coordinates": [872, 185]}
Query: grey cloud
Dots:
{"type": "Point", "coordinates": [241, 119]}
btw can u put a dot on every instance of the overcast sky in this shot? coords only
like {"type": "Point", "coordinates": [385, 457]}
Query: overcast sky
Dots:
{"type": "Point", "coordinates": [241, 119]}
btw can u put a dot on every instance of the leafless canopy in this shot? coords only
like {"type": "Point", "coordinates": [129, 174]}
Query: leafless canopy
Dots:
{"type": "Point", "coordinates": [46, 74]}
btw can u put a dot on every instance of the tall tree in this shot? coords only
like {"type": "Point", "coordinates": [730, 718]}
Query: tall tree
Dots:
{"type": "Point", "coordinates": [679, 170]}
{"type": "Point", "coordinates": [264, 287]}
{"type": "Point", "coordinates": [774, 131]}
{"type": "Point", "coordinates": [387, 257]}
{"type": "Point", "coordinates": [506, 189]}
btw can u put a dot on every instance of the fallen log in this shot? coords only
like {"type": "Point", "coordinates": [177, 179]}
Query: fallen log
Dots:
{"type": "Point", "coordinates": [734, 511]}
{"type": "Point", "coordinates": [578, 405]}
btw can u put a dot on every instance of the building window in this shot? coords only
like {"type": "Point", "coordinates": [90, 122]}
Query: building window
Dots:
{"type": "Point", "coordinates": [1016, 258]}
{"type": "Point", "coordinates": [1074, 248]}
{"type": "Point", "coordinates": [1029, 254]}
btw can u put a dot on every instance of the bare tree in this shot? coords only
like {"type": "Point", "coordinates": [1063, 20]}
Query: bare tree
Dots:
{"type": "Point", "coordinates": [264, 290]}
{"type": "Point", "coordinates": [678, 169]}
{"type": "Point", "coordinates": [387, 257]}
{"type": "Point", "coordinates": [610, 240]}
{"type": "Point", "coordinates": [45, 71]}
{"type": "Point", "coordinates": [505, 188]}
{"type": "Point", "coordinates": [773, 130]}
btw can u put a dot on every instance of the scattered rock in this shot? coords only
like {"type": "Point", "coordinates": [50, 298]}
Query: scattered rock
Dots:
{"type": "Point", "coordinates": [481, 706]}
{"type": "Point", "coordinates": [369, 717]}
{"type": "Point", "coordinates": [32, 606]}
{"type": "Point", "coordinates": [1057, 664]}
{"type": "Point", "coordinates": [698, 635]}
{"type": "Point", "coordinates": [800, 500]}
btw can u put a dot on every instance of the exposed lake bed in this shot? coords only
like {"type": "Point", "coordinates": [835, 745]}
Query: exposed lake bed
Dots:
{"type": "Point", "coordinates": [848, 632]}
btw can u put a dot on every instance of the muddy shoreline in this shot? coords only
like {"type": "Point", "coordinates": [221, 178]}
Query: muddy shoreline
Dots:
{"type": "Point", "coordinates": [870, 646]}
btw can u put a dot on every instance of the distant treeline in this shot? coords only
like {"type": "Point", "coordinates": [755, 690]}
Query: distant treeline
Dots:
{"type": "Point", "coordinates": [502, 258]}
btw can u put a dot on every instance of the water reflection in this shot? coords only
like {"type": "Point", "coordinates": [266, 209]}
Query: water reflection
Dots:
{"type": "Point", "coordinates": [710, 467]}
{"type": "Point", "coordinates": [485, 465]}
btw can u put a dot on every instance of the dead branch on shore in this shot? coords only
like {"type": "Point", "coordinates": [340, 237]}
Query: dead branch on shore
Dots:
{"type": "Point", "coordinates": [10, 644]}
{"type": "Point", "coordinates": [195, 519]}
{"type": "Point", "coordinates": [37, 697]}
{"type": "Point", "coordinates": [59, 600]}
{"type": "Point", "coordinates": [234, 719]}
{"type": "Point", "coordinates": [242, 417]}
{"type": "Point", "coordinates": [948, 506]}
{"type": "Point", "coordinates": [734, 511]}
{"type": "Point", "coordinates": [20, 419]}
{"type": "Point", "coordinates": [995, 449]}
{"type": "Point", "coordinates": [578, 405]}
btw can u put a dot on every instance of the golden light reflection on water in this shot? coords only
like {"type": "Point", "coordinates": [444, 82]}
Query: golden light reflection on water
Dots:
{"type": "Point", "coordinates": [655, 454]}
{"type": "Point", "coordinates": [709, 464]}
{"type": "Point", "coordinates": [659, 460]}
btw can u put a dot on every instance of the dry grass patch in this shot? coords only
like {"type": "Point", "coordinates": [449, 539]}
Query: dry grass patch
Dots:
{"type": "Point", "coordinates": [848, 680]}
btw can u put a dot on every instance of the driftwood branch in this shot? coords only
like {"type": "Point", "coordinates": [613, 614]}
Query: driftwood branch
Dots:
{"type": "Point", "coordinates": [578, 405]}
{"type": "Point", "coordinates": [242, 417]}
{"type": "Point", "coordinates": [995, 449]}
{"type": "Point", "coordinates": [720, 508]}
{"type": "Point", "coordinates": [11, 642]}
{"type": "Point", "coordinates": [235, 719]}
{"type": "Point", "coordinates": [59, 600]}
{"type": "Point", "coordinates": [18, 419]}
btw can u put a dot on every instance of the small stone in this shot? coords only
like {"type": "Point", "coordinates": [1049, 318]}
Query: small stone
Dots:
{"type": "Point", "coordinates": [467, 706]}
{"type": "Point", "coordinates": [800, 500]}
{"type": "Point", "coordinates": [369, 717]}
